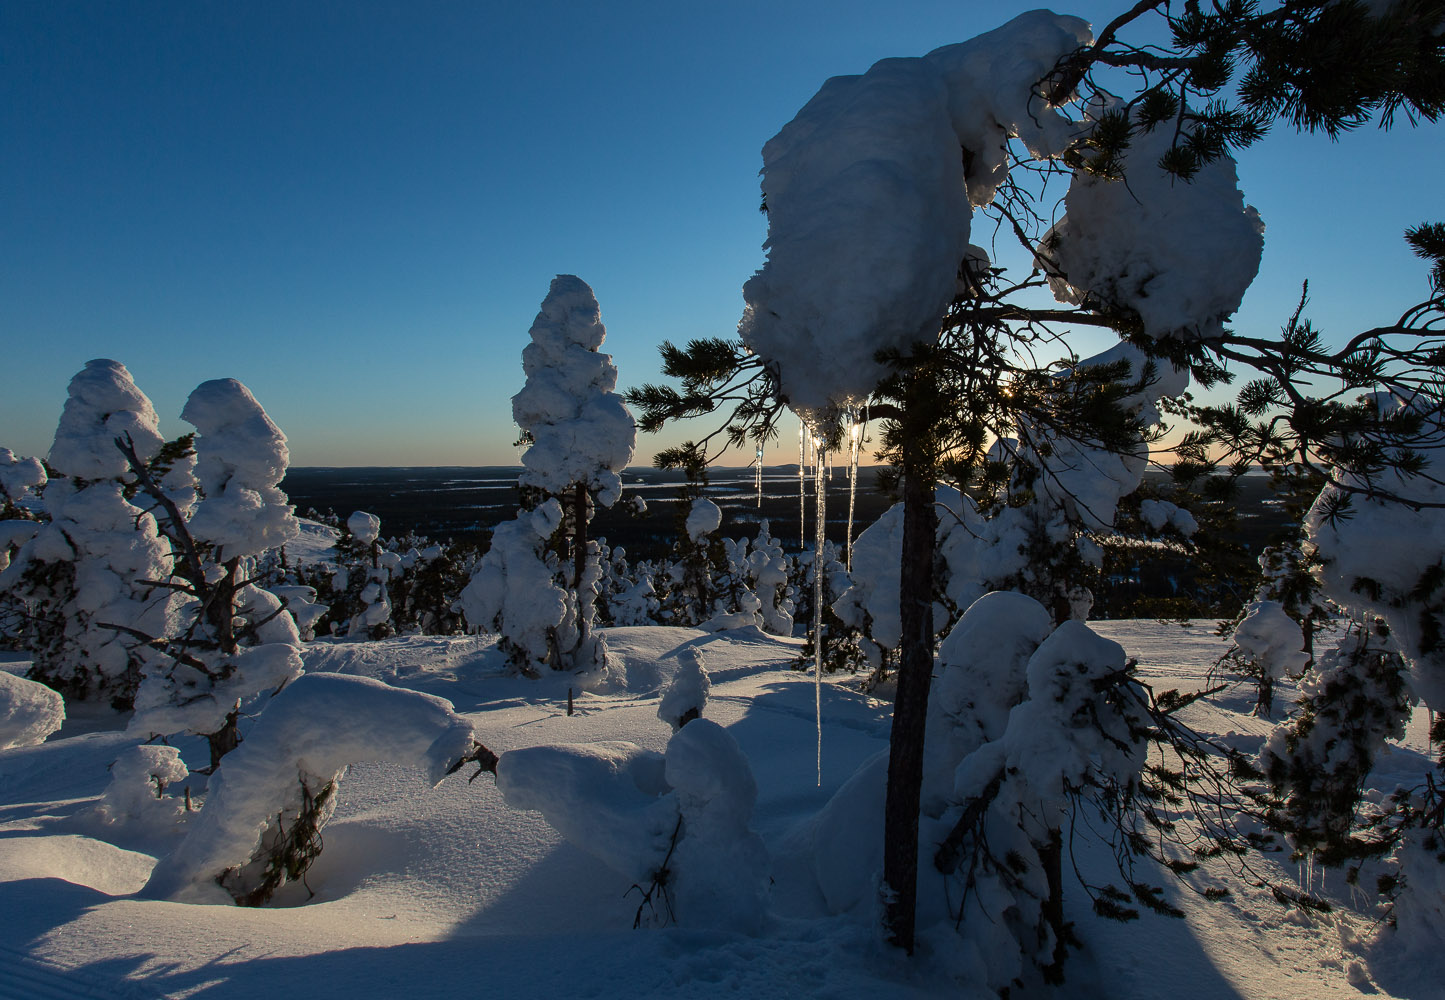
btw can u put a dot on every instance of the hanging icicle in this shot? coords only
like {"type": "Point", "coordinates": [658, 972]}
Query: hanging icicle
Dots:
{"type": "Point", "coordinates": [855, 445]}
{"type": "Point", "coordinates": [758, 475]}
{"type": "Point", "coordinates": [818, 571]}
{"type": "Point", "coordinates": [802, 485]}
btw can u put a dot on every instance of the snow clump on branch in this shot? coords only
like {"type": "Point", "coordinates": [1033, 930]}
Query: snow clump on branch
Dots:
{"type": "Point", "coordinates": [241, 458]}
{"type": "Point", "coordinates": [869, 202]}
{"type": "Point", "coordinates": [1181, 254]}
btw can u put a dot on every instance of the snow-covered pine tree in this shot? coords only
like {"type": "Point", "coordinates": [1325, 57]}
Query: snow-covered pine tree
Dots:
{"type": "Point", "coordinates": [872, 287]}
{"type": "Point", "coordinates": [230, 639]}
{"type": "Point", "coordinates": [93, 576]}
{"type": "Point", "coordinates": [579, 437]}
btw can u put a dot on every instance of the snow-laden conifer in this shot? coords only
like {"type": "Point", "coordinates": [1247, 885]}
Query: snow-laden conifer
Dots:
{"type": "Point", "coordinates": [231, 639]}
{"type": "Point", "coordinates": [90, 576]}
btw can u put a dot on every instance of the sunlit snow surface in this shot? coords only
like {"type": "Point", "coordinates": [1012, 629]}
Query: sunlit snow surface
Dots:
{"type": "Point", "coordinates": [447, 892]}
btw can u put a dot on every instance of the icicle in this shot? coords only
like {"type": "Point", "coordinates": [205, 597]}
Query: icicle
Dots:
{"type": "Point", "coordinates": [855, 443]}
{"type": "Point", "coordinates": [802, 485]}
{"type": "Point", "coordinates": [758, 476]}
{"type": "Point", "coordinates": [818, 569]}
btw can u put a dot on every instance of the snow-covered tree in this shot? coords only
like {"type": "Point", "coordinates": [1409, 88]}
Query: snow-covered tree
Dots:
{"type": "Point", "coordinates": [230, 639]}
{"type": "Point", "coordinates": [92, 577]}
{"type": "Point", "coordinates": [872, 289]}
{"type": "Point", "coordinates": [579, 437]}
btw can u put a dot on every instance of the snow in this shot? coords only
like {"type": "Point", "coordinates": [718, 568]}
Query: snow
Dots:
{"type": "Point", "coordinates": [29, 711]}
{"type": "Point", "coordinates": [579, 429]}
{"type": "Point", "coordinates": [869, 208]}
{"type": "Point", "coordinates": [1380, 560]}
{"type": "Point", "coordinates": [19, 475]}
{"type": "Point", "coordinates": [1272, 639]}
{"type": "Point", "coordinates": [422, 890]}
{"type": "Point", "coordinates": [241, 458]}
{"type": "Point", "coordinates": [1179, 254]}
{"type": "Point", "coordinates": [364, 527]}
{"type": "Point", "coordinates": [315, 728]}
{"type": "Point", "coordinates": [703, 519]}
{"type": "Point", "coordinates": [103, 404]}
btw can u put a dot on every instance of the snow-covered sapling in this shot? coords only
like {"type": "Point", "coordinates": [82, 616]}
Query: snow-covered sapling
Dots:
{"type": "Point", "coordinates": [261, 824]}
{"type": "Point", "coordinates": [685, 697]}
{"type": "Point", "coordinates": [139, 778]}
{"type": "Point", "coordinates": [578, 433]}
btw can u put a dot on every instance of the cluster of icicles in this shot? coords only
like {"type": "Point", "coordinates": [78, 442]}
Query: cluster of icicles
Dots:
{"type": "Point", "coordinates": [810, 447]}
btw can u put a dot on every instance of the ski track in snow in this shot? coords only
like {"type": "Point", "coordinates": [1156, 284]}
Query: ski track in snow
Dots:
{"type": "Point", "coordinates": [445, 892]}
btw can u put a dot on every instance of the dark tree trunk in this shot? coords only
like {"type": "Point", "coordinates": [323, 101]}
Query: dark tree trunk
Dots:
{"type": "Point", "coordinates": [225, 739]}
{"type": "Point", "coordinates": [910, 708]}
{"type": "Point", "coordinates": [1051, 856]}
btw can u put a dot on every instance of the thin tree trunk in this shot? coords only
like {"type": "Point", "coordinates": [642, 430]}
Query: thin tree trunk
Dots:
{"type": "Point", "coordinates": [910, 708]}
{"type": "Point", "coordinates": [1052, 858]}
{"type": "Point", "coordinates": [225, 739]}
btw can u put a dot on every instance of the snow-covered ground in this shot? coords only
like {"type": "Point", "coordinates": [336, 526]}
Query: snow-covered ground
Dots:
{"type": "Point", "coordinates": [446, 892]}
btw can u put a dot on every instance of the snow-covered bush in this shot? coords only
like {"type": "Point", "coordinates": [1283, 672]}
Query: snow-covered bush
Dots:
{"type": "Point", "coordinates": [89, 576]}
{"type": "Point", "coordinates": [1268, 646]}
{"type": "Point", "coordinates": [29, 711]}
{"type": "Point", "coordinates": [136, 794]}
{"type": "Point", "coordinates": [686, 695]}
{"type": "Point", "coordinates": [515, 591]}
{"type": "Point", "coordinates": [261, 824]}
{"type": "Point", "coordinates": [676, 822]}
{"type": "Point", "coordinates": [767, 573]}
{"type": "Point", "coordinates": [1354, 699]}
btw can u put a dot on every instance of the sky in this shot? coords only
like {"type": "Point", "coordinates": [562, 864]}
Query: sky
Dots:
{"type": "Point", "coordinates": [357, 208]}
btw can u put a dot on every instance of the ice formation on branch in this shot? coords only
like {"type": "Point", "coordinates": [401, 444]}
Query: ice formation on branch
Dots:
{"type": "Point", "coordinates": [241, 458]}
{"type": "Point", "coordinates": [578, 429]}
{"type": "Point", "coordinates": [94, 565]}
{"type": "Point", "coordinates": [265, 808]}
{"type": "Point", "coordinates": [18, 477]}
{"type": "Point", "coordinates": [1179, 253]}
{"type": "Point", "coordinates": [869, 202]}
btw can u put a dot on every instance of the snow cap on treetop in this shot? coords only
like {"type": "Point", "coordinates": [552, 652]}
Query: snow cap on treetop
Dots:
{"type": "Point", "coordinates": [1179, 253]}
{"type": "Point", "coordinates": [364, 527]}
{"type": "Point", "coordinates": [104, 404]}
{"type": "Point", "coordinates": [579, 429]}
{"type": "Point", "coordinates": [241, 457]}
{"type": "Point", "coordinates": [869, 207]}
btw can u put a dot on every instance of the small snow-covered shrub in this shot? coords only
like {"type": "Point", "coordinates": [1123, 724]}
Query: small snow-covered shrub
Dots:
{"type": "Point", "coordinates": [264, 810]}
{"type": "Point", "coordinates": [1356, 697]}
{"type": "Point", "coordinates": [139, 778]}
{"type": "Point", "coordinates": [676, 822]}
{"type": "Point", "coordinates": [29, 711]}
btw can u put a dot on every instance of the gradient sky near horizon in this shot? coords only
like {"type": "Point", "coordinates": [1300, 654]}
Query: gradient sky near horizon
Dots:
{"type": "Point", "coordinates": [356, 208]}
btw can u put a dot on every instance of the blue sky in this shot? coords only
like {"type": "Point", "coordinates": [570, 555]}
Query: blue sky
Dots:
{"type": "Point", "coordinates": [356, 208]}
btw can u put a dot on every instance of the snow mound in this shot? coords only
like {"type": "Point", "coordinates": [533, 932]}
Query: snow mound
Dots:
{"type": "Point", "coordinates": [29, 711]}
{"type": "Point", "coordinates": [302, 742]}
